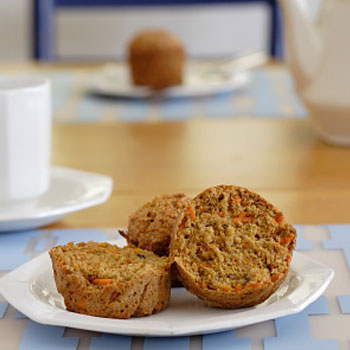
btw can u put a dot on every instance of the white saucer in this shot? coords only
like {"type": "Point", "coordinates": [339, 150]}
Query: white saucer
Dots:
{"type": "Point", "coordinates": [70, 190]}
{"type": "Point", "coordinates": [114, 80]}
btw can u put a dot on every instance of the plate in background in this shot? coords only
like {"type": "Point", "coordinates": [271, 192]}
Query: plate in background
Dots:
{"type": "Point", "coordinates": [199, 80]}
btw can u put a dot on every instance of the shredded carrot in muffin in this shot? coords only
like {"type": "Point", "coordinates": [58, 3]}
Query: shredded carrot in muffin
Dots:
{"type": "Point", "coordinates": [191, 213]}
{"type": "Point", "coordinates": [101, 281]}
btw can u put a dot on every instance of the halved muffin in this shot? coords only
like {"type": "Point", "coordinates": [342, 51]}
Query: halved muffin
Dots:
{"type": "Point", "coordinates": [151, 225]}
{"type": "Point", "coordinates": [101, 279]}
{"type": "Point", "coordinates": [231, 247]}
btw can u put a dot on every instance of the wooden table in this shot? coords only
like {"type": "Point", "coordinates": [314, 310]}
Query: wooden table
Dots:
{"type": "Point", "coordinates": [281, 159]}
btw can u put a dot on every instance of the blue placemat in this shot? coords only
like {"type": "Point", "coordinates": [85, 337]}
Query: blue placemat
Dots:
{"type": "Point", "coordinates": [269, 94]}
{"type": "Point", "coordinates": [294, 332]}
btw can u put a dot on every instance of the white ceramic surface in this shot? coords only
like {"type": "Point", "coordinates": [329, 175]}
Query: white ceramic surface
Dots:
{"type": "Point", "coordinates": [70, 190]}
{"type": "Point", "coordinates": [31, 290]}
{"type": "Point", "coordinates": [199, 80]}
{"type": "Point", "coordinates": [318, 54]}
{"type": "Point", "coordinates": [25, 136]}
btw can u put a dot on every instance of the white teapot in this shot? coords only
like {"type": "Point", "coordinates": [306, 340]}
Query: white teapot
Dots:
{"type": "Point", "coordinates": [318, 55]}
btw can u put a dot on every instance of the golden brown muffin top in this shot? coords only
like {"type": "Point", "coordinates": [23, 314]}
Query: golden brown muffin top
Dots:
{"type": "Point", "coordinates": [154, 40]}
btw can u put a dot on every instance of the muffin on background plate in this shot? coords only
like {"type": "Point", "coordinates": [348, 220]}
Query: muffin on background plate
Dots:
{"type": "Point", "coordinates": [156, 59]}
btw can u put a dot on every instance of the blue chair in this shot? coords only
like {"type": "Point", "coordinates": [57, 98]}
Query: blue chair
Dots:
{"type": "Point", "coordinates": [43, 19]}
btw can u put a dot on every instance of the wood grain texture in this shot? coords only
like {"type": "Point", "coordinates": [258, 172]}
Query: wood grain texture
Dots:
{"type": "Point", "coordinates": [281, 159]}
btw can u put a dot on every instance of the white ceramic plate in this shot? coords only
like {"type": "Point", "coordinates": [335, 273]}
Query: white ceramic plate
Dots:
{"type": "Point", "coordinates": [70, 190]}
{"type": "Point", "coordinates": [114, 80]}
{"type": "Point", "coordinates": [31, 290]}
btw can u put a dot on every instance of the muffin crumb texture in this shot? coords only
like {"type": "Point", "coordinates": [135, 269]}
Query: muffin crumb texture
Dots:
{"type": "Point", "coordinates": [150, 227]}
{"type": "Point", "coordinates": [231, 247]}
{"type": "Point", "coordinates": [101, 279]}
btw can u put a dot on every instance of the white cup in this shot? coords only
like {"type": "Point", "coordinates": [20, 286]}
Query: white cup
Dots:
{"type": "Point", "coordinates": [25, 138]}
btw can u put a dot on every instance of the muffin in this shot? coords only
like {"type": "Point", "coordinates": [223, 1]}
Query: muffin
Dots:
{"type": "Point", "coordinates": [231, 247]}
{"type": "Point", "coordinates": [151, 225]}
{"type": "Point", "coordinates": [100, 279]}
{"type": "Point", "coordinates": [156, 59]}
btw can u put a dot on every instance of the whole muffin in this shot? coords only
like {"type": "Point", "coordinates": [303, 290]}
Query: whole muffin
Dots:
{"type": "Point", "coordinates": [156, 59]}
{"type": "Point", "coordinates": [151, 225]}
{"type": "Point", "coordinates": [231, 247]}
